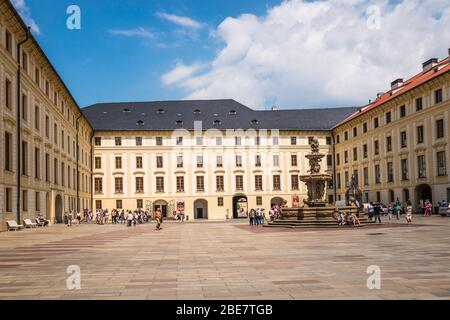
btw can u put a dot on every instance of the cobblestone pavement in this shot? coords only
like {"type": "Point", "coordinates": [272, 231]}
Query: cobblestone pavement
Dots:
{"type": "Point", "coordinates": [227, 261]}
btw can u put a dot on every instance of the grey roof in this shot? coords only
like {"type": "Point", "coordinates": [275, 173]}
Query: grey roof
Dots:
{"type": "Point", "coordinates": [126, 116]}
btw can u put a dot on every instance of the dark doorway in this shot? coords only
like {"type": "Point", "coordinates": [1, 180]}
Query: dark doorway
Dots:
{"type": "Point", "coordinates": [423, 192]}
{"type": "Point", "coordinates": [240, 207]}
{"type": "Point", "coordinates": [58, 209]}
{"type": "Point", "coordinates": [201, 209]}
{"type": "Point", "coordinates": [162, 205]}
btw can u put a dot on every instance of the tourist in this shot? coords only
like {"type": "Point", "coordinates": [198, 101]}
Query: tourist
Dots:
{"type": "Point", "coordinates": [341, 218]}
{"type": "Point", "coordinates": [355, 220]}
{"type": "Point", "coordinates": [377, 212]}
{"type": "Point", "coordinates": [69, 217]}
{"type": "Point", "coordinates": [397, 209]}
{"type": "Point", "coordinates": [390, 211]}
{"type": "Point", "coordinates": [251, 216]}
{"type": "Point", "coordinates": [42, 221]}
{"type": "Point", "coordinates": [78, 218]}
{"type": "Point", "coordinates": [158, 219]}
{"type": "Point", "coordinates": [370, 210]}
{"type": "Point", "coordinates": [272, 213]}
{"type": "Point", "coordinates": [409, 210]}
{"type": "Point", "coordinates": [427, 206]}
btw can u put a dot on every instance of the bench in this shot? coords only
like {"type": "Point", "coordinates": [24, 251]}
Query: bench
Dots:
{"type": "Point", "coordinates": [12, 225]}
{"type": "Point", "coordinates": [29, 224]}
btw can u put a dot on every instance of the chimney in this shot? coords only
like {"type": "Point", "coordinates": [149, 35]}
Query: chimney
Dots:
{"type": "Point", "coordinates": [428, 65]}
{"type": "Point", "coordinates": [379, 95]}
{"type": "Point", "coordinates": [396, 84]}
{"type": "Point", "coordinates": [274, 108]}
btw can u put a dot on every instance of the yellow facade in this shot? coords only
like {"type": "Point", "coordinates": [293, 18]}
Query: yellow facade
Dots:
{"type": "Point", "coordinates": [48, 132]}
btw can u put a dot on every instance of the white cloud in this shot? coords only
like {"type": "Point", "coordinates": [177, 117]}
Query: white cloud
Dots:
{"type": "Point", "coordinates": [180, 20]}
{"type": "Point", "coordinates": [139, 32]}
{"type": "Point", "coordinates": [25, 13]}
{"type": "Point", "coordinates": [304, 54]}
{"type": "Point", "coordinates": [180, 72]}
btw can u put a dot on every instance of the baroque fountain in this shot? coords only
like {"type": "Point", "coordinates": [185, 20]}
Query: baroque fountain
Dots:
{"type": "Point", "coordinates": [315, 212]}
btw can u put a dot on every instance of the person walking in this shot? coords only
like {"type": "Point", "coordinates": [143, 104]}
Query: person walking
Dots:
{"type": "Point", "coordinates": [370, 210]}
{"type": "Point", "coordinates": [409, 210]}
{"type": "Point", "coordinates": [79, 218]}
{"type": "Point", "coordinates": [129, 218]}
{"type": "Point", "coordinates": [251, 216]}
{"type": "Point", "coordinates": [377, 212]}
{"type": "Point", "coordinates": [397, 209]}
{"type": "Point", "coordinates": [158, 219]}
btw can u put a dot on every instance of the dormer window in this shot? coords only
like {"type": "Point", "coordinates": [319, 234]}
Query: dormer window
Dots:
{"type": "Point", "coordinates": [126, 110]}
{"type": "Point", "coordinates": [217, 122]}
{"type": "Point", "coordinates": [140, 123]}
{"type": "Point", "coordinates": [255, 122]}
{"type": "Point", "coordinates": [160, 111]}
{"type": "Point", "coordinates": [197, 112]}
{"type": "Point", "coordinates": [179, 122]}
{"type": "Point", "coordinates": [232, 112]}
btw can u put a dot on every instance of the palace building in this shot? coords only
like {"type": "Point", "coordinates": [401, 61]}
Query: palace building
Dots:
{"type": "Point", "coordinates": [45, 162]}
{"type": "Point", "coordinates": [214, 158]}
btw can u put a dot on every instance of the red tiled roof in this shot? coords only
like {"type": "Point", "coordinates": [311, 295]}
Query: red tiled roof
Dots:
{"type": "Point", "coordinates": [443, 67]}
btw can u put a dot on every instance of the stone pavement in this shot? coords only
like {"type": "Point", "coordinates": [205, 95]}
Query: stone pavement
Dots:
{"type": "Point", "coordinates": [227, 261]}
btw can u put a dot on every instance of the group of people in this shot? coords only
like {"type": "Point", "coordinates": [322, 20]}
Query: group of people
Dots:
{"type": "Point", "coordinates": [348, 219]}
{"type": "Point", "coordinates": [375, 211]}
{"type": "Point", "coordinates": [257, 217]}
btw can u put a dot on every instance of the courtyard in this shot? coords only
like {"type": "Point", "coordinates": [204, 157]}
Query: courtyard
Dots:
{"type": "Point", "coordinates": [227, 261]}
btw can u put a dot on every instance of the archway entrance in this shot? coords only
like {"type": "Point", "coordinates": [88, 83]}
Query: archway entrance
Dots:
{"type": "Point", "coordinates": [201, 209]}
{"type": "Point", "coordinates": [423, 192]}
{"type": "Point", "coordinates": [277, 201]}
{"type": "Point", "coordinates": [240, 206]}
{"type": "Point", "coordinates": [162, 205]}
{"type": "Point", "coordinates": [58, 209]}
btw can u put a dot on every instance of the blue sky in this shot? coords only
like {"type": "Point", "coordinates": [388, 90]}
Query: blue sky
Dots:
{"type": "Point", "coordinates": [260, 52]}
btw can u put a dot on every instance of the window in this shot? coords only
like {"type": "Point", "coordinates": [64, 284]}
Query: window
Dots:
{"type": "Point", "coordinates": [8, 199]}
{"type": "Point", "coordinates": [47, 167]}
{"type": "Point", "coordinates": [200, 183]}
{"type": "Point", "coordinates": [403, 139]}
{"type": "Point", "coordinates": [180, 162]}
{"type": "Point", "coordinates": [237, 141]}
{"type": "Point", "coordinates": [376, 147]}
{"type": "Point", "coordinates": [179, 141]}
{"type": "Point", "coordinates": [8, 94]}
{"type": "Point", "coordinates": [238, 161]}
{"type": "Point", "coordinates": [55, 133]}
{"type": "Point", "coordinates": [119, 204]}
{"type": "Point", "coordinates": [355, 131]}
{"type": "Point", "coordinates": [275, 141]}
{"type": "Point", "coordinates": [37, 163]}
{"type": "Point", "coordinates": [138, 141]}
{"type": "Point", "coordinates": [365, 151]}
{"type": "Point", "coordinates": [338, 139]}
{"type": "Point", "coordinates": [159, 184]}
{"type": "Point", "coordinates": [293, 141]}
{"type": "Point", "coordinates": [294, 182]}
{"type": "Point", "coordinates": [421, 166]}
{"type": "Point", "coordinates": [338, 159]}
{"type": "Point", "coordinates": [338, 181]}
{"type": "Point", "coordinates": [199, 161]}
{"type": "Point", "coordinates": [98, 141]}
{"type": "Point", "coordinates": [47, 126]}
{"type": "Point", "coordinates": [119, 185]}
{"type": "Point", "coordinates": [219, 161]}
{"type": "Point", "coordinates": [438, 96]}
{"type": "Point", "coordinates": [239, 183]}
{"type": "Point", "coordinates": [404, 168]}
{"type": "Point", "coordinates": [364, 127]}
{"type": "Point", "coordinates": [118, 141]}
{"type": "Point", "coordinates": [220, 202]}
{"type": "Point", "coordinates": [276, 182]}
{"type": "Point", "coordinates": [419, 104]}
{"type": "Point", "coordinates": [8, 151]}
{"type": "Point", "coordinates": [24, 108]}
{"type": "Point", "coordinates": [328, 140]}
{"type": "Point", "coordinates": [37, 77]}
{"type": "Point", "coordinates": [199, 141]}
{"type": "Point", "coordinates": [258, 183]}
{"type": "Point", "coordinates": [63, 175]}
{"type": "Point", "coordinates": [159, 162]}
{"type": "Point", "coordinates": [366, 176]}
{"type": "Point", "coordinates": [218, 141]}
{"type": "Point", "coordinates": [24, 158]}
{"type": "Point", "coordinates": [356, 175]}
{"type": "Point", "coordinates": [441, 168]}
{"type": "Point", "coordinates": [98, 185]}
{"type": "Point", "coordinates": [118, 162]}
{"type": "Point", "coordinates": [159, 141]}
{"type": "Point", "coordinates": [440, 128]}
{"type": "Point", "coordinates": [377, 174]}
{"type": "Point", "coordinates": [180, 184]}
{"type": "Point", "coordinates": [98, 204]}
{"type": "Point", "coordinates": [8, 41]}
{"type": "Point", "coordinates": [139, 185]}
{"type": "Point", "coordinates": [220, 183]}
{"type": "Point", "coordinates": [329, 160]}
{"type": "Point", "coordinates": [294, 162]}
{"type": "Point", "coordinates": [47, 88]}
{"type": "Point", "coordinates": [345, 156]}
{"type": "Point", "coordinates": [257, 141]}
{"type": "Point", "coordinates": [259, 201]}
{"type": "Point", "coordinates": [258, 161]}
{"type": "Point", "coordinates": [420, 137]}
{"type": "Point", "coordinates": [355, 154]}
{"type": "Point", "coordinates": [276, 160]}
{"type": "Point", "coordinates": [388, 117]}
{"type": "Point", "coordinates": [139, 162]}
{"type": "Point", "coordinates": [347, 180]}
{"type": "Point", "coordinates": [403, 111]}
{"type": "Point", "coordinates": [25, 61]}
{"type": "Point", "coordinates": [139, 203]}
{"type": "Point", "coordinates": [390, 172]}
{"type": "Point", "coordinates": [376, 123]}
{"type": "Point", "coordinates": [388, 144]}
{"type": "Point", "coordinates": [37, 201]}
{"type": "Point", "coordinates": [98, 162]}
{"type": "Point", "coordinates": [24, 200]}
{"type": "Point", "coordinates": [345, 136]}
{"type": "Point", "coordinates": [55, 100]}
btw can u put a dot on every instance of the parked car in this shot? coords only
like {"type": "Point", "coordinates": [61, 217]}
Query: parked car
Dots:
{"type": "Point", "coordinates": [444, 210]}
